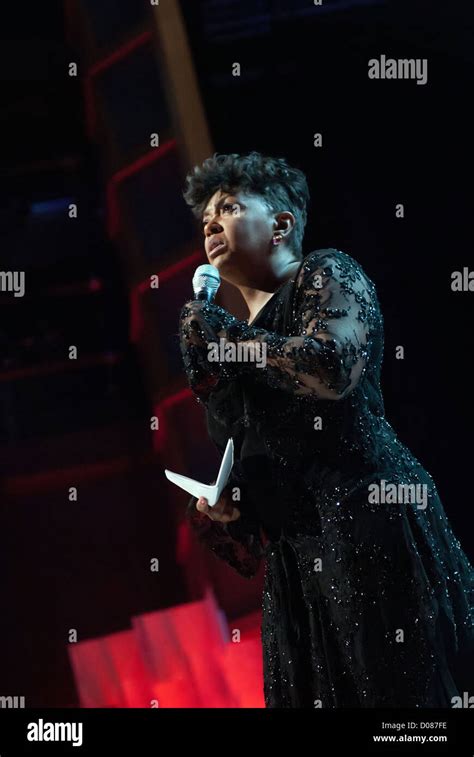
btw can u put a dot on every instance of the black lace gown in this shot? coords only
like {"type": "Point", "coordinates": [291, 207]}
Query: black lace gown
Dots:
{"type": "Point", "coordinates": [368, 601]}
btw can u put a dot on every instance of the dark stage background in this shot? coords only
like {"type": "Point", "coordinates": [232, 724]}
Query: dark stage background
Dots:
{"type": "Point", "coordinates": [86, 140]}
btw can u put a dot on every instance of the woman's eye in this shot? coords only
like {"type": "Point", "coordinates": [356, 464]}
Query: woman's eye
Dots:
{"type": "Point", "coordinates": [229, 206]}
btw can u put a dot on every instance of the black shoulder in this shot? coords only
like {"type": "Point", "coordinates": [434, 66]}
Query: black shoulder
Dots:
{"type": "Point", "coordinates": [336, 263]}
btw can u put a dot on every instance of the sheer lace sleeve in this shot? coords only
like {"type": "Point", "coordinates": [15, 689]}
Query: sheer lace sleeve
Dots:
{"type": "Point", "coordinates": [200, 327]}
{"type": "Point", "coordinates": [238, 543]}
{"type": "Point", "coordinates": [334, 311]}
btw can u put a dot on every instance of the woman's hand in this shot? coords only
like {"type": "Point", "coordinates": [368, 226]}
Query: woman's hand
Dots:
{"type": "Point", "coordinates": [223, 511]}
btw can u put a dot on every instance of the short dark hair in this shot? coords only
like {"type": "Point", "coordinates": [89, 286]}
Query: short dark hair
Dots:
{"type": "Point", "coordinates": [281, 186]}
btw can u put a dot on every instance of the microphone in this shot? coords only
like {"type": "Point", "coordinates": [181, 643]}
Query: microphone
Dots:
{"type": "Point", "coordinates": [206, 282]}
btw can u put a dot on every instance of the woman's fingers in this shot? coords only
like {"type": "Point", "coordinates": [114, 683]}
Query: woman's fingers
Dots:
{"type": "Point", "coordinates": [202, 505]}
{"type": "Point", "coordinates": [221, 511]}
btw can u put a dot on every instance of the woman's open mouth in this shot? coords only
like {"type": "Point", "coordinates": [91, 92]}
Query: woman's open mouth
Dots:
{"type": "Point", "coordinates": [217, 249]}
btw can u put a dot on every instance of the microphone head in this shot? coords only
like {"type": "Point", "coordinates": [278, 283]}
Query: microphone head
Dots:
{"type": "Point", "coordinates": [206, 282]}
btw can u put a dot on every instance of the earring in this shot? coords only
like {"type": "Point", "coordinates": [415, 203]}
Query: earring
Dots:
{"type": "Point", "coordinates": [277, 239]}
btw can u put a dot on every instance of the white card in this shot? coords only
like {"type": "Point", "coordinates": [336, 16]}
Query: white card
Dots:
{"type": "Point", "coordinates": [211, 492]}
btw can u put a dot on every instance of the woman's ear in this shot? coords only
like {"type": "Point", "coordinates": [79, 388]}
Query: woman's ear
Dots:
{"type": "Point", "coordinates": [284, 222]}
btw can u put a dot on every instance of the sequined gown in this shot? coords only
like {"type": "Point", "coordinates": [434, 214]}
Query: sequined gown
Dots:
{"type": "Point", "coordinates": [367, 602]}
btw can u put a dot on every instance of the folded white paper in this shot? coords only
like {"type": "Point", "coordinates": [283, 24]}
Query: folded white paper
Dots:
{"type": "Point", "coordinates": [211, 492]}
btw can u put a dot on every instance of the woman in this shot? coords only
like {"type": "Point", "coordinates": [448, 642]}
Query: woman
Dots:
{"type": "Point", "coordinates": [368, 595]}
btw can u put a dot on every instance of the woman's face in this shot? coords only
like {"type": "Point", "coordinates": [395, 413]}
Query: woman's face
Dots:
{"type": "Point", "coordinates": [243, 225]}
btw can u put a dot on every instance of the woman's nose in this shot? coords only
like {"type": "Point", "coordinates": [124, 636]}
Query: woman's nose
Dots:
{"type": "Point", "coordinates": [213, 227]}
